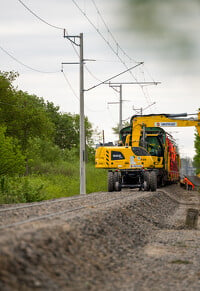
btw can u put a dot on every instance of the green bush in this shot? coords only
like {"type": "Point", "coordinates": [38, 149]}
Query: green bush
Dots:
{"type": "Point", "coordinates": [12, 161]}
{"type": "Point", "coordinates": [96, 179]}
{"type": "Point", "coordinates": [20, 190]}
{"type": "Point", "coordinates": [51, 180]}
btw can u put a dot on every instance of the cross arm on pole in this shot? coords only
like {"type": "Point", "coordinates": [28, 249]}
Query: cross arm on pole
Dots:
{"type": "Point", "coordinates": [134, 83]}
{"type": "Point", "coordinates": [72, 38]}
{"type": "Point", "coordinates": [107, 80]}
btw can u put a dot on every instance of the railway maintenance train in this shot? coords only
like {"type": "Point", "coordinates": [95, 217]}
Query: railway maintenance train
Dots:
{"type": "Point", "coordinates": [146, 155]}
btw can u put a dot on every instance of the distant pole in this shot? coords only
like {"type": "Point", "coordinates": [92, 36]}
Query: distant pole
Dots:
{"type": "Point", "coordinates": [103, 138]}
{"type": "Point", "coordinates": [82, 122]}
{"type": "Point", "coordinates": [120, 107]}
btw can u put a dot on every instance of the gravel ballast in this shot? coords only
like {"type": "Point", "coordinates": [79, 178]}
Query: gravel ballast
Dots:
{"type": "Point", "coordinates": [136, 243]}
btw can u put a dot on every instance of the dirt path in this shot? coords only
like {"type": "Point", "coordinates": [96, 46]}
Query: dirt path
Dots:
{"type": "Point", "coordinates": [135, 243]}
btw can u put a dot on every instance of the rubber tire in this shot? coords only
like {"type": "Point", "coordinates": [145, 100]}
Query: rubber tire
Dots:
{"type": "Point", "coordinates": [116, 177]}
{"type": "Point", "coordinates": [146, 181]}
{"type": "Point", "coordinates": [117, 186]}
{"type": "Point", "coordinates": [110, 181]}
{"type": "Point", "coordinates": [153, 181]}
{"type": "Point", "coordinates": [163, 181]}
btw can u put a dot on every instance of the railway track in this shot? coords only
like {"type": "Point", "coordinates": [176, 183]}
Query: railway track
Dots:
{"type": "Point", "coordinates": [115, 240]}
{"type": "Point", "coordinates": [14, 216]}
{"type": "Point", "coordinates": [11, 217]}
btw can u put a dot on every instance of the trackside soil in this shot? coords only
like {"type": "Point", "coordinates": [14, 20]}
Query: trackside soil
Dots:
{"type": "Point", "coordinates": [137, 243]}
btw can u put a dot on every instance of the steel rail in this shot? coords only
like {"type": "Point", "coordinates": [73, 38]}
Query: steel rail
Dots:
{"type": "Point", "coordinates": [59, 200]}
{"type": "Point", "coordinates": [54, 214]}
{"type": "Point", "coordinates": [78, 197]}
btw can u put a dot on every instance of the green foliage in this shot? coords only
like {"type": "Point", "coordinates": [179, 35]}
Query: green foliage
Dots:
{"type": "Point", "coordinates": [67, 130]}
{"type": "Point", "coordinates": [43, 150]}
{"type": "Point", "coordinates": [12, 161]}
{"type": "Point", "coordinates": [52, 181]}
{"type": "Point", "coordinates": [39, 141]}
{"type": "Point", "coordinates": [197, 155]}
{"type": "Point", "coordinates": [23, 114]}
{"type": "Point", "coordinates": [96, 179]}
{"type": "Point", "coordinates": [116, 128]}
{"type": "Point", "coordinates": [20, 190]}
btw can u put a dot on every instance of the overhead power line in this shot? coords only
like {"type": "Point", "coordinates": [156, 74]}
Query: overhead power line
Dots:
{"type": "Point", "coordinates": [115, 51]}
{"type": "Point", "coordinates": [38, 17]}
{"type": "Point", "coordinates": [26, 66]}
{"type": "Point", "coordinates": [117, 75]}
{"type": "Point", "coordinates": [61, 28]}
{"type": "Point", "coordinates": [111, 34]}
{"type": "Point", "coordinates": [99, 32]}
{"type": "Point", "coordinates": [107, 42]}
{"type": "Point", "coordinates": [70, 85]}
{"type": "Point", "coordinates": [114, 39]}
{"type": "Point", "coordinates": [57, 27]}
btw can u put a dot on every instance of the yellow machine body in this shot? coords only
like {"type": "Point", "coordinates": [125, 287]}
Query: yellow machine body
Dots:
{"type": "Point", "coordinates": [145, 147]}
{"type": "Point", "coordinates": [125, 158]}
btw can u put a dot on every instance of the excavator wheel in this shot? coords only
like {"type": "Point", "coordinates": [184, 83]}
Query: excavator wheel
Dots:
{"type": "Point", "coordinates": [146, 181]}
{"type": "Point", "coordinates": [116, 177]}
{"type": "Point", "coordinates": [110, 181]}
{"type": "Point", "coordinates": [117, 185]}
{"type": "Point", "coordinates": [153, 181]}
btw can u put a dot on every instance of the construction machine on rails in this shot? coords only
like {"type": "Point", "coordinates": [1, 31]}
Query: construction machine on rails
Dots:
{"type": "Point", "coordinates": [146, 156]}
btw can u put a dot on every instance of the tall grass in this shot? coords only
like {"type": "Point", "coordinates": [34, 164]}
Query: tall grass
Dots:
{"type": "Point", "coordinates": [51, 180]}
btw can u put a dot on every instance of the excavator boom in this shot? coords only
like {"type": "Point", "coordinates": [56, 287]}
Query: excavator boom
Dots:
{"type": "Point", "coordinates": [160, 120]}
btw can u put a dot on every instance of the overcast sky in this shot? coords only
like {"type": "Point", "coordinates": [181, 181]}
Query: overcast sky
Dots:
{"type": "Point", "coordinates": [164, 36]}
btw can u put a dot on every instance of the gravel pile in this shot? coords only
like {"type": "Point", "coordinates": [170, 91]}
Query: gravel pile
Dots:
{"type": "Point", "coordinates": [137, 243]}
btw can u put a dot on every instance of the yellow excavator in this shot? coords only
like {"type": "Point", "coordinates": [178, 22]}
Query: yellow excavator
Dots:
{"type": "Point", "coordinates": [146, 155]}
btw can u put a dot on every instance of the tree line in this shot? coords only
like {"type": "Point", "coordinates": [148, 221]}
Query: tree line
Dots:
{"type": "Point", "coordinates": [33, 129]}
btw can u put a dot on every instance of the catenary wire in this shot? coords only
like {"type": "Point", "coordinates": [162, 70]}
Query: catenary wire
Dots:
{"type": "Point", "coordinates": [38, 17]}
{"type": "Point", "coordinates": [44, 21]}
{"type": "Point", "coordinates": [107, 42]}
{"type": "Point", "coordinates": [39, 71]}
{"type": "Point", "coordinates": [110, 32]}
{"type": "Point", "coordinates": [146, 95]}
{"type": "Point", "coordinates": [26, 66]}
{"type": "Point", "coordinates": [60, 28]}
{"type": "Point", "coordinates": [70, 85]}
{"type": "Point", "coordinates": [98, 31]}
{"type": "Point", "coordinates": [114, 39]}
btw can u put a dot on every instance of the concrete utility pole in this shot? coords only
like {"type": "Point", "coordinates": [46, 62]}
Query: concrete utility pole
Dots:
{"type": "Point", "coordinates": [120, 101]}
{"type": "Point", "coordinates": [142, 109]}
{"type": "Point", "coordinates": [82, 122]}
{"type": "Point", "coordinates": [82, 116]}
{"type": "Point", "coordinates": [120, 107]}
{"type": "Point", "coordinates": [115, 85]}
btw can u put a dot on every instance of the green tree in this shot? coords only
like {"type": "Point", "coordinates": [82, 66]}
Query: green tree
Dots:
{"type": "Point", "coordinates": [67, 130]}
{"type": "Point", "coordinates": [40, 150]}
{"type": "Point", "coordinates": [197, 155]}
{"type": "Point", "coordinates": [23, 114]}
{"type": "Point", "coordinates": [12, 161]}
{"type": "Point", "coordinates": [116, 128]}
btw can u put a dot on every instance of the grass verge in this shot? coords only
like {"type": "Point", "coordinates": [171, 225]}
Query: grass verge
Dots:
{"type": "Point", "coordinates": [51, 181]}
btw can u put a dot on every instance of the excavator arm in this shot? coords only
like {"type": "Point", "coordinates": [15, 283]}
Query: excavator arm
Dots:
{"type": "Point", "coordinates": [161, 120]}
